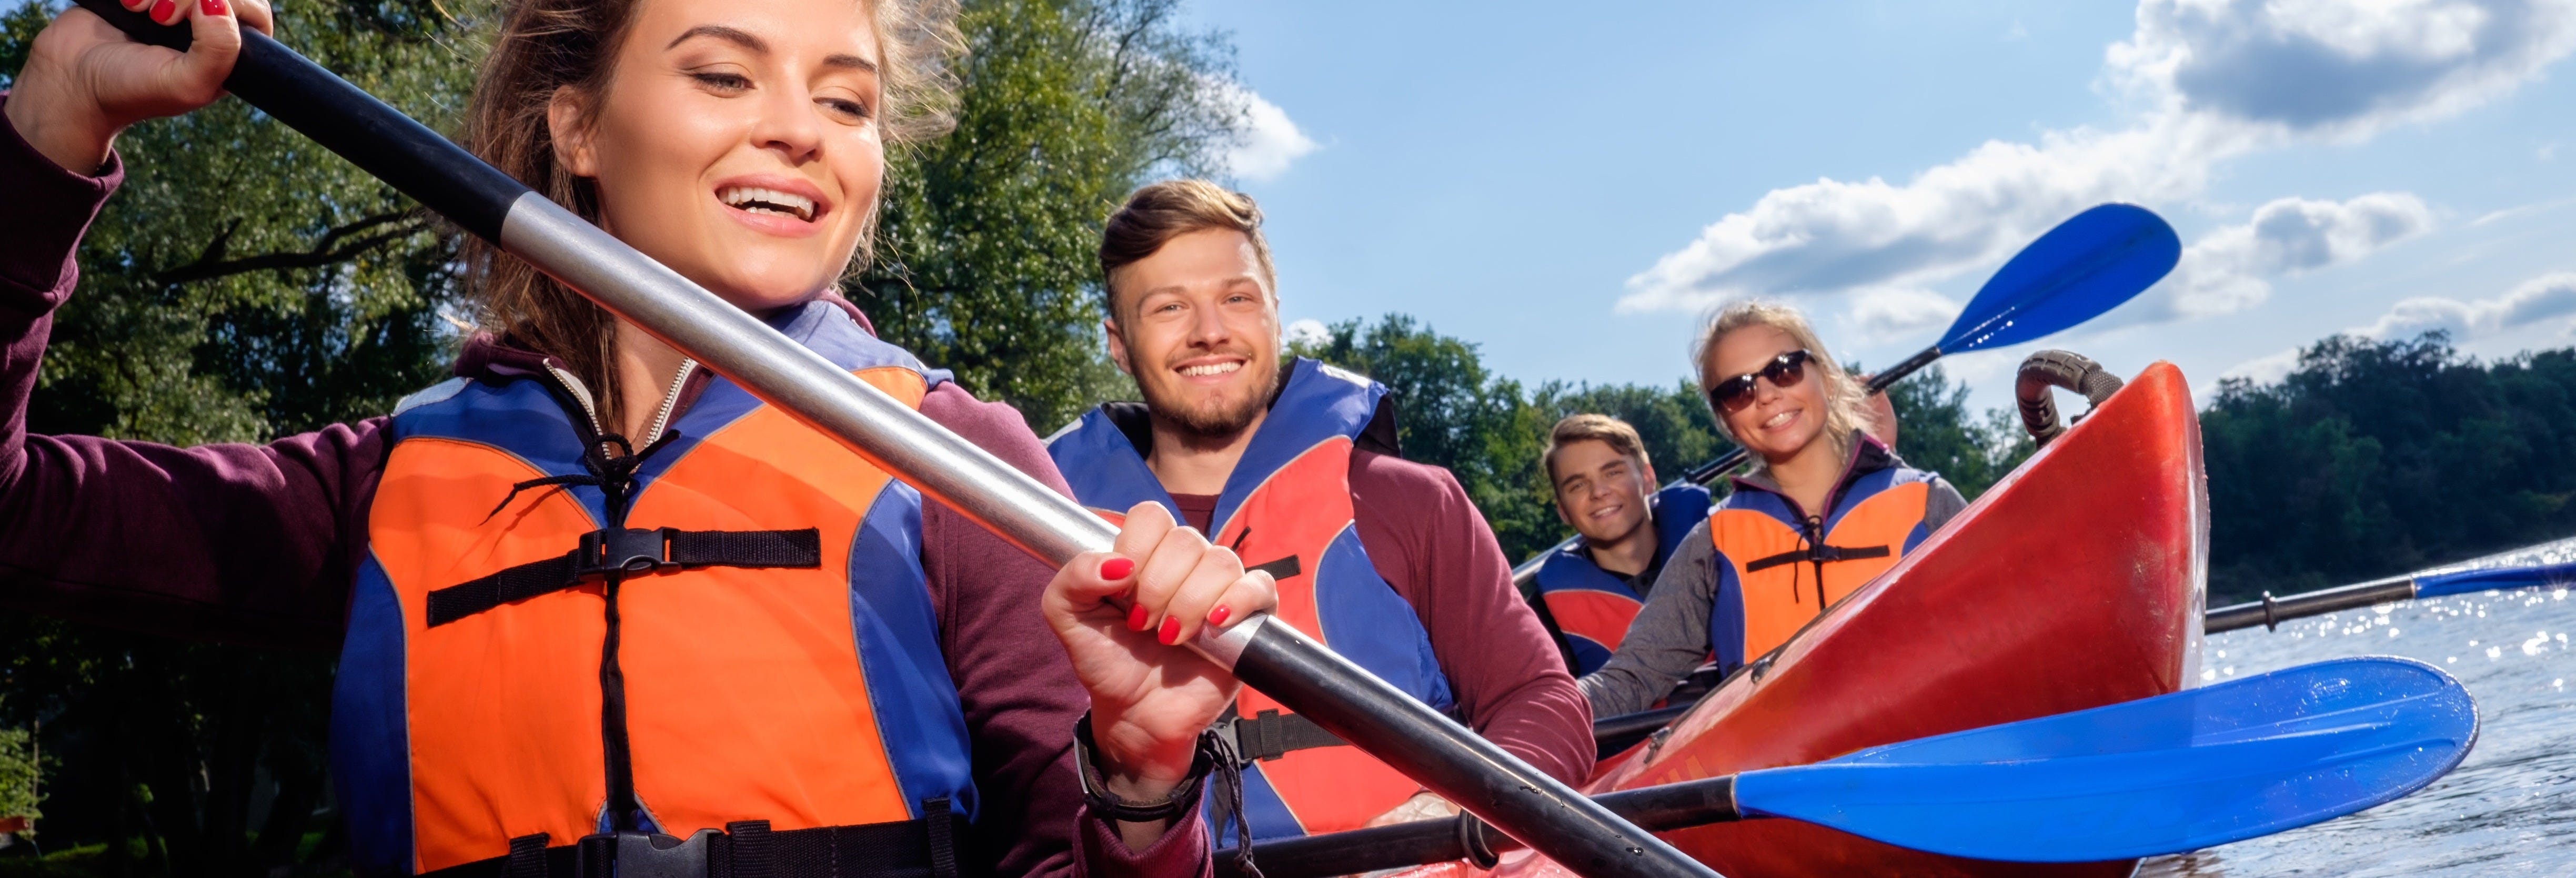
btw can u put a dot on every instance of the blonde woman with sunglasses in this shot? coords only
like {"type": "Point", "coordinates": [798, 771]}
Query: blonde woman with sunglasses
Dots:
{"type": "Point", "coordinates": [1827, 507]}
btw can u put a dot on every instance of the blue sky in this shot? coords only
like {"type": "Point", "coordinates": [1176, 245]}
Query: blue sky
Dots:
{"type": "Point", "coordinates": [1572, 190]}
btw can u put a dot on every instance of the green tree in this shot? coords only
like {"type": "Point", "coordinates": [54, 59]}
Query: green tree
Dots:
{"type": "Point", "coordinates": [989, 260]}
{"type": "Point", "coordinates": [1677, 427]}
{"type": "Point", "coordinates": [2374, 458]}
{"type": "Point", "coordinates": [18, 775]}
{"type": "Point", "coordinates": [1936, 431]}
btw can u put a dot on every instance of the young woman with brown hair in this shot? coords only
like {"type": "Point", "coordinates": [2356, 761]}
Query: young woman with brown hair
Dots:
{"type": "Point", "coordinates": [596, 605]}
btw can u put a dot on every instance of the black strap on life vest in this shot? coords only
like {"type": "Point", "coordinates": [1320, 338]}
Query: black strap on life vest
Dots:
{"type": "Point", "coordinates": [1272, 734]}
{"type": "Point", "coordinates": [628, 551]}
{"type": "Point", "coordinates": [1821, 554]}
{"type": "Point", "coordinates": [924, 848]}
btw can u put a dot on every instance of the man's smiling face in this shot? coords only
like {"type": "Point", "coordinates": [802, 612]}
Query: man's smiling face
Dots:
{"type": "Point", "coordinates": [1600, 491]}
{"type": "Point", "coordinates": [1197, 324]}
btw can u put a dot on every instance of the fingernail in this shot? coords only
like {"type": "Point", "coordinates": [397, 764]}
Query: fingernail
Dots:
{"type": "Point", "coordinates": [1114, 568]}
{"type": "Point", "coordinates": [1136, 618]}
{"type": "Point", "coordinates": [165, 12]}
{"type": "Point", "coordinates": [1171, 633]}
{"type": "Point", "coordinates": [211, 7]}
{"type": "Point", "coordinates": [1217, 616]}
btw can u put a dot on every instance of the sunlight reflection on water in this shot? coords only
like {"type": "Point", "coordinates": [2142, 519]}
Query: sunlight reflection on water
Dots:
{"type": "Point", "coordinates": [2510, 809]}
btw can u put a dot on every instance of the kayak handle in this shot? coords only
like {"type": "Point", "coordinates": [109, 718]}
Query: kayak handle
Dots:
{"type": "Point", "coordinates": [2054, 369]}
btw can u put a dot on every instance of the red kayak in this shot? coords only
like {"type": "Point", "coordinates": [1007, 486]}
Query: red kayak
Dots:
{"type": "Point", "coordinates": [2075, 582]}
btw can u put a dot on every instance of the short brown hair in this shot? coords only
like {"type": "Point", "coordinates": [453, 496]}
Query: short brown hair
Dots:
{"type": "Point", "coordinates": [1604, 429]}
{"type": "Point", "coordinates": [1159, 212]}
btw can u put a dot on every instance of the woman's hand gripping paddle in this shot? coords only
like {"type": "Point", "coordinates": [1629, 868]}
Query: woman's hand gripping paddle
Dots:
{"type": "Point", "coordinates": [2168, 774]}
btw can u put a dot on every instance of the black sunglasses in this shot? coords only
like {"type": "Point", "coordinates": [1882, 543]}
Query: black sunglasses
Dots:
{"type": "Point", "coordinates": [1785, 370]}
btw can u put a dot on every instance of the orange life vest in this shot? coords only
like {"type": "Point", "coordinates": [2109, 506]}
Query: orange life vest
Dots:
{"type": "Point", "coordinates": [1287, 508]}
{"type": "Point", "coordinates": [765, 651]}
{"type": "Point", "coordinates": [1778, 566]}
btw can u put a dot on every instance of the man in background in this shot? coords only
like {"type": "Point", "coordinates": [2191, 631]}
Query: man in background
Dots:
{"type": "Point", "coordinates": [1605, 489]}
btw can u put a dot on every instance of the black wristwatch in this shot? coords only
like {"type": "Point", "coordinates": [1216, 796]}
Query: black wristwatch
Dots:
{"type": "Point", "coordinates": [1095, 788]}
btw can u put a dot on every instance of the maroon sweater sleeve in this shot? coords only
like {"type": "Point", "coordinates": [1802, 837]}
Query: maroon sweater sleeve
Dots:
{"type": "Point", "coordinates": [1429, 541]}
{"type": "Point", "coordinates": [240, 543]}
{"type": "Point", "coordinates": [1017, 686]}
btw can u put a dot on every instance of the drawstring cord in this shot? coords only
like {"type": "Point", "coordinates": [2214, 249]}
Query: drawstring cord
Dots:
{"type": "Point", "coordinates": [1229, 782]}
{"type": "Point", "coordinates": [612, 474]}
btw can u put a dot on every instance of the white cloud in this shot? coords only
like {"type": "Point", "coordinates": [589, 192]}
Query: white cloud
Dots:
{"type": "Point", "coordinates": [2265, 369]}
{"type": "Point", "coordinates": [2539, 299]}
{"type": "Point", "coordinates": [1269, 141]}
{"type": "Point", "coordinates": [1889, 312]}
{"type": "Point", "coordinates": [2215, 79]}
{"type": "Point", "coordinates": [1832, 237]}
{"type": "Point", "coordinates": [2230, 268]}
{"type": "Point", "coordinates": [1306, 331]}
{"type": "Point", "coordinates": [2342, 67]}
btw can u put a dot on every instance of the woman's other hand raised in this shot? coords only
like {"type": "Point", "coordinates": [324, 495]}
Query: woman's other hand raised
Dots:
{"type": "Point", "coordinates": [85, 81]}
{"type": "Point", "coordinates": [1122, 615]}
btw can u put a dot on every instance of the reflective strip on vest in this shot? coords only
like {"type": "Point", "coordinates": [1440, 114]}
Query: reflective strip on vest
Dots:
{"type": "Point", "coordinates": [804, 697]}
{"type": "Point", "coordinates": [1287, 507]}
{"type": "Point", "coordinates": [1757, 610]}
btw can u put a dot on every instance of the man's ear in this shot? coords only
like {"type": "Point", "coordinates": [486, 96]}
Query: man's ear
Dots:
{"type": "Point", "coordinates": [1117, 346]}
{"type": "Point", "coordinates": [1648, 467]}
{"type": "Point", "coordinates": [567, 115]}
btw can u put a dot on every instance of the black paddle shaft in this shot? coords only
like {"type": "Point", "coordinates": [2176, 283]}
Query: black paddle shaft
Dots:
{"type": "Point", "coordinates": [1274, 658]}
{"type": "Point", "coordinates": [2271, 611]}
{"type": "Point", "coordinates": [1658, 808]}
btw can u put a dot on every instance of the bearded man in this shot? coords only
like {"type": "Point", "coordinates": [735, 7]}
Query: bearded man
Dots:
{"type": "Point", "coordinates": [1295, 466]}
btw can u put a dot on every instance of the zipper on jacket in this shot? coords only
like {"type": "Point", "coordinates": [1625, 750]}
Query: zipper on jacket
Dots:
{"type": "Point", "coordinates": [580, 393]}
{"type": "Point", "coordinates": [670, 401]}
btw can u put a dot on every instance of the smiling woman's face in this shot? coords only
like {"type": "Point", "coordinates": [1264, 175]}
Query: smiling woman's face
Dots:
{"type": "Point", "coordinates": [737, 142]}
{"type": "Point", "coordinates": [1777, 422]}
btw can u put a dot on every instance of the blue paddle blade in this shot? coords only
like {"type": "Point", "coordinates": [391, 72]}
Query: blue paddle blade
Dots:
{"type": "Point", "coordinates": [2160, 775]}
{"type": "Point", "coordinates": [2465, 581]}
{"type": "Point", "coordinates": [2087, 265]}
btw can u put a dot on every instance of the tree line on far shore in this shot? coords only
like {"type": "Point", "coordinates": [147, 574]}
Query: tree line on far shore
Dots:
{"type": "Point", "coordinates": [2370, 458]}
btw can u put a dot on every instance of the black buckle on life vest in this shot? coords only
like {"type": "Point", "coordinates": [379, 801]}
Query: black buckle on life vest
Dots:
{"type": "Point", "coordinates": [1821, 554]}
{"type": "Point", "coordinates": [627, 550]}
{"type": "Point", "coordinates": [645, 855]}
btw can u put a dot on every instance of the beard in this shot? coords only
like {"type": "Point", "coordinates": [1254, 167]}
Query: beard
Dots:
{"type": "Point", "coordinates": [1216, 419]}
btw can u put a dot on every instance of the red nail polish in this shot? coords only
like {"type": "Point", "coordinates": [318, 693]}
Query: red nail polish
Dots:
{"type": "Point", "coordinates": [1171, 632]}
{"type": "Point", "coordinates": [1217, 616]}
{"type": "Point", "coordinates": [1136, 618]}
{"type": "Point", "coordinates": [1114, 568]}
{"type": "Point", "coordinates": [211, 7]}
{"type": "Point", "coordinates": [165, 12]}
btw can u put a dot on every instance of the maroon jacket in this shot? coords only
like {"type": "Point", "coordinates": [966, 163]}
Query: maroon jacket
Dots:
{"type": "Point", "coordinates": [259, 544]}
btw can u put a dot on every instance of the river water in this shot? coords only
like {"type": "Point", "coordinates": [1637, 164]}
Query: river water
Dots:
{"type": "Point", "coordinates": [2509, 809]}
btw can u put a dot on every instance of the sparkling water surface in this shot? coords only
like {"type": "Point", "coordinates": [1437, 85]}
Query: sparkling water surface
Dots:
{"type": "Point", "coordinates": [2510, 809]}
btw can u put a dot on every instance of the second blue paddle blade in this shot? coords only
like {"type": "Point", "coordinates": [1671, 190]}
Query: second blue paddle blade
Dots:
{"type": "Point", "coordinates": [2083, 267]}
{"type": "Point", "coordinates": [2173, 773]}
